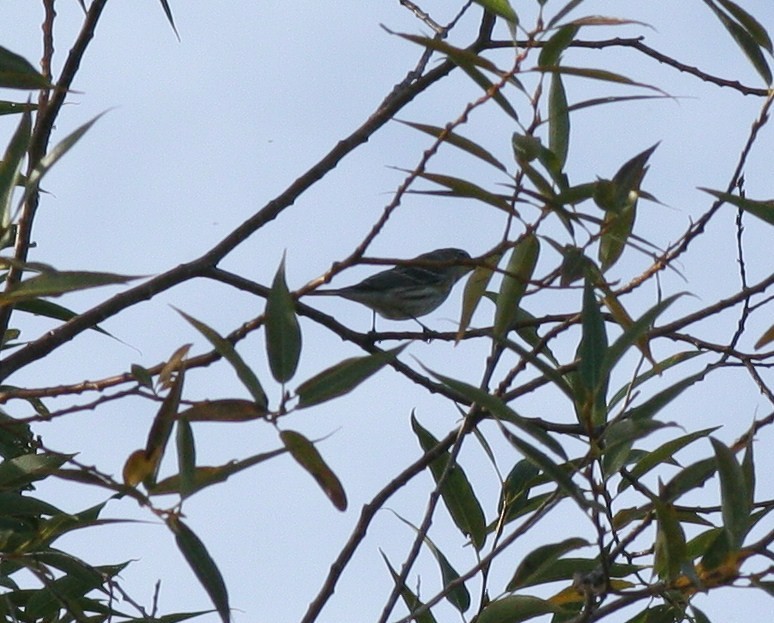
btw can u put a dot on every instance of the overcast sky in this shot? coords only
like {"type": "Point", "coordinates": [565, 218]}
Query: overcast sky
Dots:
{"type": "Point", "coordinates": [204, 131]}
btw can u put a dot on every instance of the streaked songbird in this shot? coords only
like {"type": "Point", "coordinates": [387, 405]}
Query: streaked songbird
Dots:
{"type": "Point", "coordinates": [409, 290]}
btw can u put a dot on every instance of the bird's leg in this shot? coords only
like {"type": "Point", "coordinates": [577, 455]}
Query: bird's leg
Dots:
{"type": "Point", "coordinates": [428, 333]}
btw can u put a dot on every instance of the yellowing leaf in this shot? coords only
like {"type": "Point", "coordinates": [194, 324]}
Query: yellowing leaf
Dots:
{"type": "Point", "coordinates": [307, 456]}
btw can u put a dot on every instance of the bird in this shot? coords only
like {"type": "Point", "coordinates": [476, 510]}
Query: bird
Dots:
{"type": "Point", "coordinates": [408, 290]}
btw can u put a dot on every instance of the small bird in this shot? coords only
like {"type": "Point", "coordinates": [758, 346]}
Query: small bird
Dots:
{"type": "Point", "coordinates": [408, 291]}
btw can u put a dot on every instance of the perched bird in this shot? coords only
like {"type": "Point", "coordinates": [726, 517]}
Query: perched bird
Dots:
{"type": "Point", "coordinates": [410, 290]}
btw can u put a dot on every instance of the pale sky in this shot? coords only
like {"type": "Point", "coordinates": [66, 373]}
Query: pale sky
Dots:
{"type": "Point", "coordinates": [204, 131]}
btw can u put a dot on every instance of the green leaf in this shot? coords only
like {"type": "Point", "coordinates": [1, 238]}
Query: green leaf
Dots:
{"type": "Point", "coordinates": [734, 496]}
{"type": "Point", "coordinates": [343, 377]}
{"type": "Point", "coordinates": [516, 608]}
{"type": "Point", "coordinates": [663, 454]}
{"type": "Point", "coordinates": [283, 333]}
{"type": "Point", "coordinates": [52, 157]}
{"type": "Point", "coordinates": [562, 13]}
{"type": "Point", "coordinates": [552, 50]}
{"type": "Point", "coordinates": [746, 42]}
{"type": "Point", "coordinates": [142, 375]}
{"type": "Point", "coordinates": [459, 596]}
{"type": "Point", "coordinates": [18, 73]}
{"type": "Point", "coordinates": [521, 267]}
{"type": "Point", "coordinates": [10, 170]}
{"type": "Point", "coordinates": [465, 144]}
{"type": "Point", "coordinates": [465, 189]}
{"type": "Point", "coordinates": [501, 411]}
{"type": "Point", "coordinates": [538, 561]}
{"type": "Point", "coordinates": [14, 108]}
{"type": "Point", "coordinates": [554, 472]}
{"type": "Point", "coordinates": [501, 8]}
{"type": "Point", "coordinates": [689, 478]}
{"type": "Point", "coordinates": [592, 352]}
{"type": "Point", "coordinates": [659, 368]}
{"type": "Point", "coordinates": [467, 61]}
{"type": "Point", "coordinates": [619, 438]}
{"type": "Point", "coordinates": [764, 210]}
{"type": "Point", "coordinates": [615, 231]}
{"type": "Point", "coordinates": [753, 27]}
{"type": "Point", "coordinates": [527, 148]}
{"type": "Point", "coordinates": [224, 410]}
{"type": "Point", "coordinates": [515, 491]}
{"type": "Point", "coordinates": [49, 309]}
{"type": "Point", "coordinates": [456, 490]}
{"type": "Point", "coordinates": [409, 598]}
{"type": "Point", "coordinates": [307, 456]}
{"type": "Point", "coordinates": [186, 456]}
{"type": "Point", "coordinates": [475, 288]}
{"type": "Point", "coordinates": [670, 554]}
{"type": "Point", "coordinates": [202, 565]}
{"type": "Point", "coordinates": [226, 350]}
{"type": "Point", "coordinates": [633, 333]}
{"type": "Point", "coordinates": [653, 405]}
{"type": "Point", "coordinates": [20, 471]}
{"type": "Point", "coordinates": [558, 120]}
{"type": "Point", "coordinates": [56, 283]}
{"type": "Point", "coordinates": [596, 74]}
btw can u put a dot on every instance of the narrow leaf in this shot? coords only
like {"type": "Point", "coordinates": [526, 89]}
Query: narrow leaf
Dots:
{"type": "Point", "coordinates": [754, 28]}
{"type": "Point", "coordinates": [409, 598]}
{"type": "Point", "coordinates": [49, 309]}
{"type": "Point", "coordinates": [224, 410]}
{"type": "Point", "coordinates": [467, 61]}
{"type": "Point", "coordinates": [283, 333]}
{"type": "Point", "coordinates": [475, 287]}
{"type": "Point", "coordinates": [160, 431]}
{"type": "Point", "coordinates": [555, 472]}
{"type": "Point", "coordinates": [597, 74]}
{"type": "Point", "coordinates": [202, 565]}
{"type": "Point", "coordinates": [456, 491]}
{"type": "Point", "coordinates": [465, 189]}
{"type": "Point", "coordinates": [57, 283]}
{"type": "Point", "coordinates": [501, 8]}
{"type": "Point", "coordinates": [226, 350]}
{"type": "Point", "coordinates": [20, 471]}
{"type": "Point", "coordinates": [670, 553]}
{"type": "Point", "coordinates": [501, 411]}
{"type": "Point", "coordinates": [734, 497]}
{"type": "Point", "coordinates": [537, 561]}
{"type": "Point", "coordinates": [746, 42]}
{"type": "Point", "coordinates": [343, 377]}
{"type": "Point", "coordinates": [206, 475]}
{"type": "Point", "coordinates": [766, 338]}
{"type": "Point", "coordinates": [465, 144]}
{"type": "Point", "coordinates": [53, 156]}
{"type": "Point", "coordinates": [10, 171]}
{"type": "Point", "coordinates": [552, 51]}
{"type": "Point", "coordinates": [663, 454]}
{"type": "Point", "coordinates": [558, 120]}
{"type": "Point", "coordinates": [186, 456]}
{"type": "Point", "coordinates": [521, 267]}
{"type": "Point", "coordinates": [18, 73]}
{"type": "Point", "coordinates": [635, 332]}
{"type": "Point", "coordinates": [307, 456]}
{"type": "Point", "coordinates": [764, 210]}
{"type": "Point", "coordinates": [168, 13]}
{"type": "Point", "coordinates": [592, 351]}
{"type": "Point", "coordinates": [459, 596]}
{"type": "Point", "coordinates": [515, 609]}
